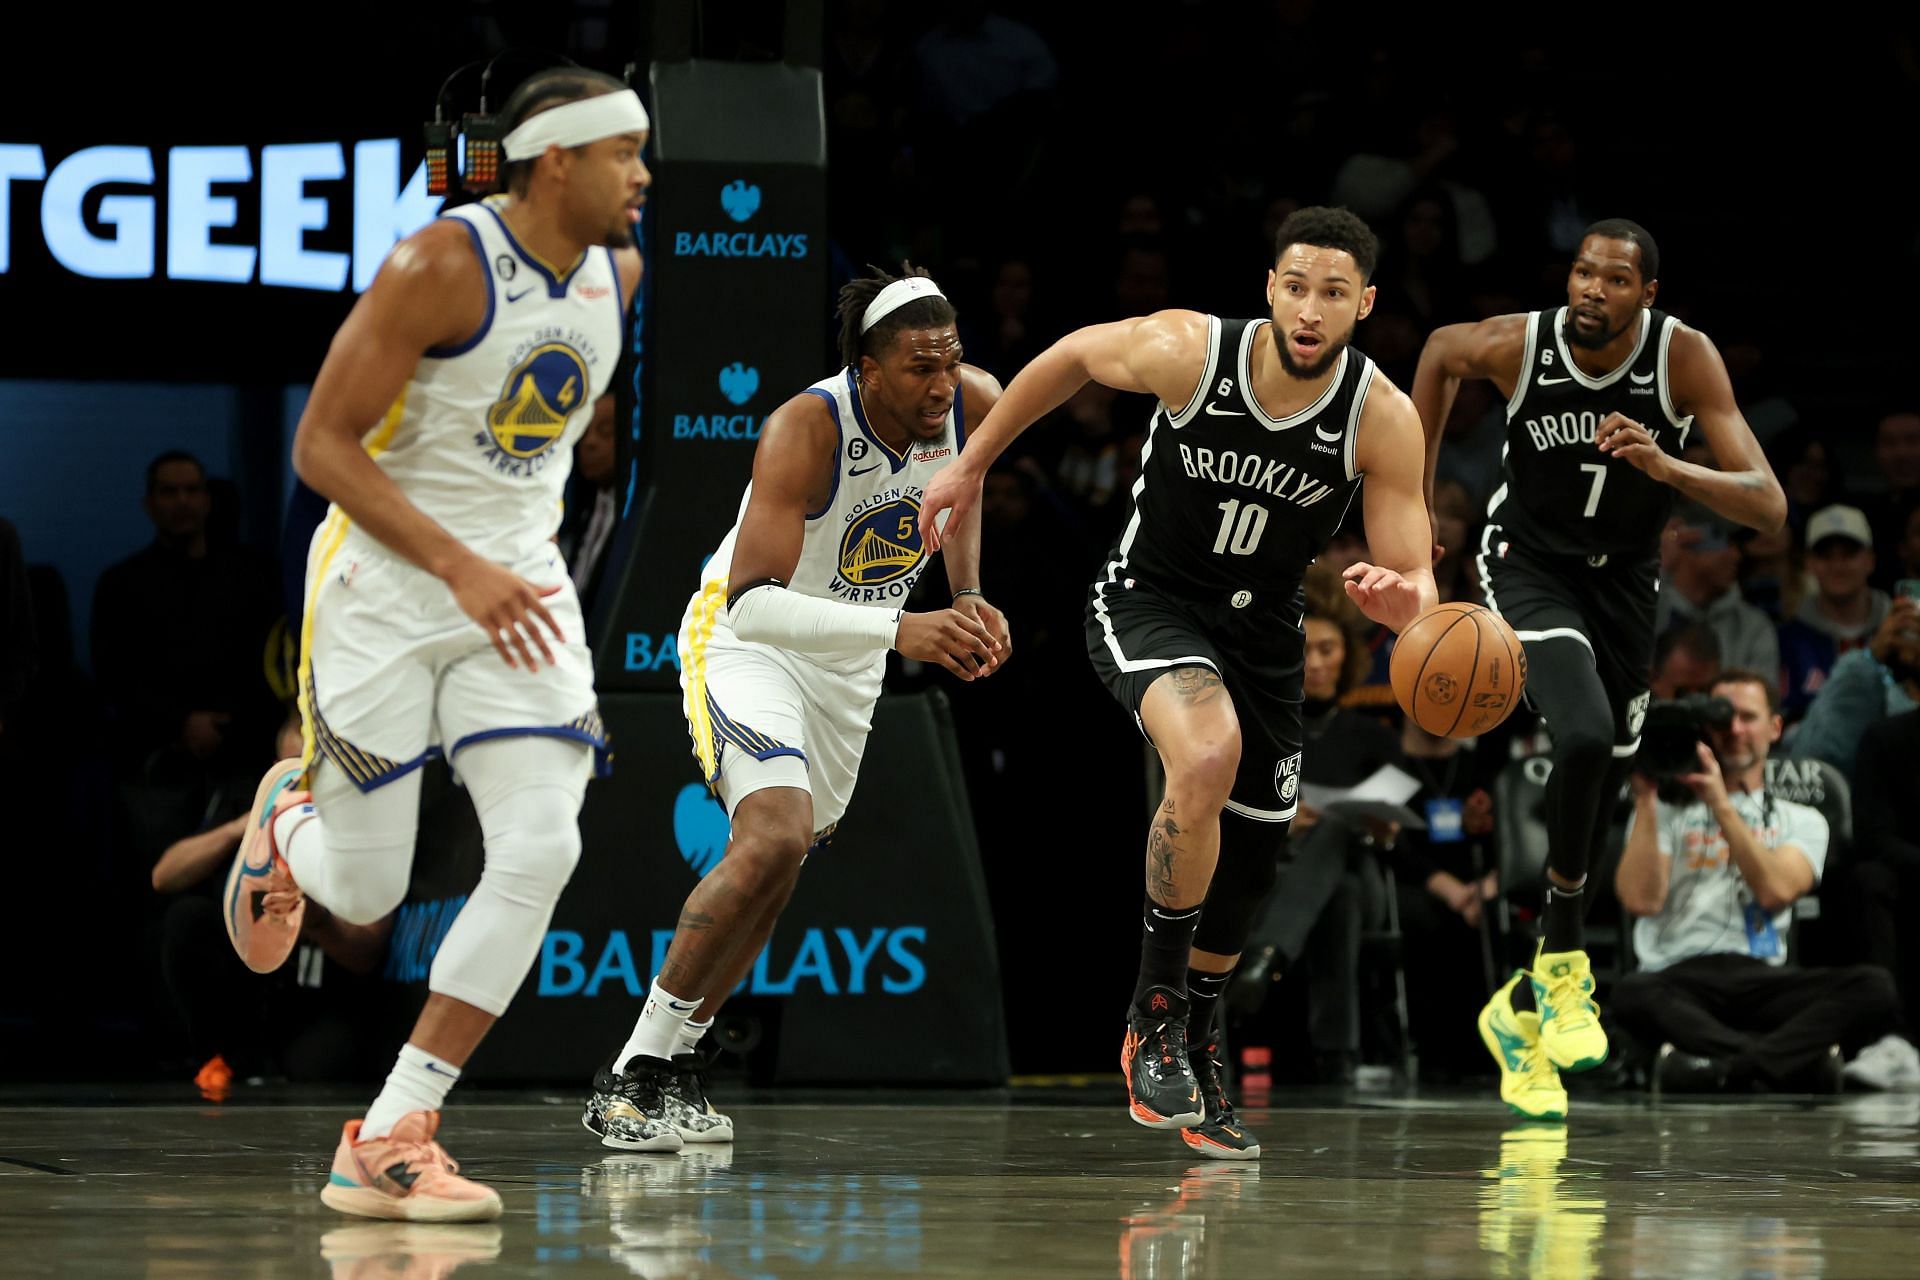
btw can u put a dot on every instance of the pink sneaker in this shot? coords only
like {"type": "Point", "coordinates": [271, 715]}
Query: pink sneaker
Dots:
{"type": "Point", "coordinates": [264, 905]}
{"type": "Point", "coordinates": [405, 1175]}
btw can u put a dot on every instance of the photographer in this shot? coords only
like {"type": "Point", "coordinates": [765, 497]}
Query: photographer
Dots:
{"type": "Point", "coordinates": [1713, 876]}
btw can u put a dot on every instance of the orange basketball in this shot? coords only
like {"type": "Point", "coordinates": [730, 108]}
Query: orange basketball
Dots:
{"type": "Point", "coordinates": [1458, 670]}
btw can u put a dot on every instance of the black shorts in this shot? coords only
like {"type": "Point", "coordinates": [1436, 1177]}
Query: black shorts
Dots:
{"type": "Point", "coordinates": [1604, 603]}
{"type": "Point", "coordinates": [1136, 634]}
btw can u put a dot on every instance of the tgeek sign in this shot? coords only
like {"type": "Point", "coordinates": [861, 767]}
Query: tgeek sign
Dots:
{"type": "Point", "coordinates": [133, 213]}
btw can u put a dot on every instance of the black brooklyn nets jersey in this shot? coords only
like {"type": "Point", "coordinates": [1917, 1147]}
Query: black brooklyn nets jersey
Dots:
{"type": "Point", "coordinates": [1560, 494]}
{"type": "Point", "coordinates": [1232, 504]}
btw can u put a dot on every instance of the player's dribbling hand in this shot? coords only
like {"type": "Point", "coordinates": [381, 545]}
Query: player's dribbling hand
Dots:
{"type": "Point", "coordinates": [996, 624]}
{"type": "Point", "coordinates": [507, 607]}
{"type": "Point", "coordinates": [957, 489]}
{"type": "Point", "coordinates": [949, 637]}
{"type": "Point", "coordinates": [1621, 437]}
{"type": "Point", "coordinates": [1382, 594]}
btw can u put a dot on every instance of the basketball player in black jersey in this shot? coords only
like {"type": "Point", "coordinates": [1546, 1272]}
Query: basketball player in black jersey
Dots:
{"type": "Point", "coordinates": [1262, 433]}
{"type": "Point", "coordinates": [1602, 396]}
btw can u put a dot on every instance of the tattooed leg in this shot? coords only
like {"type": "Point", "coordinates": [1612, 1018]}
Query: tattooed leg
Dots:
{"type": "Point", "coordinates": [1191, 720]}
{"type": "Point", "coordinates": [731, 911]}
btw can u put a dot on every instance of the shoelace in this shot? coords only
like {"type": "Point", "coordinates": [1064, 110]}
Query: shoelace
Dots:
{"type": "Point", "coordinates": [1207, 1069]}
{"type": "Point", "coordinates": [1538, 1068]}
{"type": "Point", "coordinates": [646, 1090]}
{"type": "Point", "coordinates": [1160, 1049]}
{"type": "Point", "coordinates": [691, 1084]}
{"type": "Point", "coordinates": [1572, 1004]}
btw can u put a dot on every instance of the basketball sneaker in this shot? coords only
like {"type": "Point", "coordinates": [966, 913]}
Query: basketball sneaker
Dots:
{"type": "Point", "coordinates": [405, 1175]}
{"type": "Point", "coordinates": [1220, 1136]}
{"type": "Point", "coordinates": [1570, 1029]}
{"type": "Point", "coordinates": [627, 1109]}
{"type": "Point", "coordinates": [264, 907]}
{"type": "Point", "coordinates": [1528, 1082]}
{"type": "Point", "coordinates": [688, 1109]}
{"type": "Point", "coordinates": [1161, 1090]}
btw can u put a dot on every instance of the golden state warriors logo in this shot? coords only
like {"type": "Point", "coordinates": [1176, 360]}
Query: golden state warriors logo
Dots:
{"type": "Point", "coordinates": [539, 395]}
{"type": "Point", "coordinates": [880, 547]}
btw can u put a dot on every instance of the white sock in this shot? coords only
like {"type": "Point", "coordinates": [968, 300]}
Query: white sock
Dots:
{"type": "Point", "coordinates": [418, 1082]}
{"type": "Point", "coordinates": [658, 1027]}
{"type": "Point", "coordinates": [690, 1036]}
{"type": "Point", "coordinates": [285, 823]}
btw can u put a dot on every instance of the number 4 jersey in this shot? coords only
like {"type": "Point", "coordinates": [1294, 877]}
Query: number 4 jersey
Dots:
{"type": "Point", "coordinates": [1232, 504]}
{"type": "Point", "coordinates": [1558, 493]}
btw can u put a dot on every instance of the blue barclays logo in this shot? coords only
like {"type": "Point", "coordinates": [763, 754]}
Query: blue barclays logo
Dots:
{"type": "Point", "coordinates": [418, 930]}
{"type": "Point", "coordinates": [647, 652]}
{"type": "Point", "coordinates": [700, 828]}
{"type": "Point", "coordinates": [836, 962]}
{"type": "Point", "coordinates": [741, 199]}
{"type": "Point", "coordinates": [739, 244]}
{"type": "Point", "coordinates": [739, 382]}
{"type": "Point", "coordinates": [717, 426]}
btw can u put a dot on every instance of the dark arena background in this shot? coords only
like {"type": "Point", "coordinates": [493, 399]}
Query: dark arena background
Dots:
{"type": "Point", "coordinates": [922, 1064]}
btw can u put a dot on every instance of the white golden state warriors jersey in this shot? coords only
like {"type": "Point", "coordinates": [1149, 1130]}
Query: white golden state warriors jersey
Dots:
{"type": "Point", "coordinates": [481, 438]}
{"type": "Point", "coordinates": [862, 548]}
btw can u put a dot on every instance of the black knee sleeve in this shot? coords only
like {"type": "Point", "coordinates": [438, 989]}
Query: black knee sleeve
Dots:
{"type": "Point", "coordinates": [1242, 879]}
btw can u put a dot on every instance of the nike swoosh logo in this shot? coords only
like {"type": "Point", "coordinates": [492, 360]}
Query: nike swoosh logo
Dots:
{"type": "Point", "coordinates": [1331, 437]}
{"type": "Point", "coordinates": [1552, 382]}
{"type": "Point", "coordinates": [515, 297]}
{"type": "Point", "coordinates": [1642, 380]}
{"type": "Point", "coordinates": [1225, 413]}
{"type": "Point", "coordinates": [860, 471]}
{"type": "Point", "coordinates": [1510, 1047]}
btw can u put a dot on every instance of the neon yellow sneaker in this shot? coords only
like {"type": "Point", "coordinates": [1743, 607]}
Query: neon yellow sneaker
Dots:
{"type": "Point", "coordinates": [1528, 1082]}
{"type": "Point", "coordinates": [1569, 1019]}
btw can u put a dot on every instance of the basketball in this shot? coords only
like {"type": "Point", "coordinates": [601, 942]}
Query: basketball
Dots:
{"type": "Point", "coordinates": [1458, 670]}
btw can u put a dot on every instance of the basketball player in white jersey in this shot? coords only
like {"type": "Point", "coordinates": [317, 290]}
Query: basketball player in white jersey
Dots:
{"type": "Point", "coordinates": [439, 616]}
{"type": "Point", "coordinates": [783, 648]}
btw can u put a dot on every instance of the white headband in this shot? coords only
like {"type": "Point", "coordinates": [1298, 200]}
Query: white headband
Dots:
{"type": "Point", "coordinates": [605, 115]}
{"type": "Point", "coordinates": [897, 295]}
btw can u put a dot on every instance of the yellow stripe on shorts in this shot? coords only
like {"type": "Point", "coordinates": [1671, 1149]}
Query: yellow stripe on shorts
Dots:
{"type": "Point", "coordinates": [335, 533]}
{"type": "Point", "coordinates": [693, 659]}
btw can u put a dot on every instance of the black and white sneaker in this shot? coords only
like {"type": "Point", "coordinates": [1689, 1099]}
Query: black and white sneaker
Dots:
{"type": "Point", "coordinates": [688, 1109]}
{"type": "Point", "coordinates": [1221, 1136]}
{"type": "Point", "coordinates": [1161, 1090]}
{"type": "Point", "coordinates": [627, 1109]}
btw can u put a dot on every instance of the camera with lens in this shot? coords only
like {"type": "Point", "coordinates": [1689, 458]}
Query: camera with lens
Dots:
{"type": "Point", "coordinates": [1671, 734]}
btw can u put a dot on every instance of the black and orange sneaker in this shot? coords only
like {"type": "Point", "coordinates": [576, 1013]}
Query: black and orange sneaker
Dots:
{"type": "Point", "coordinates": [1221, 1136]}
{"type": "Point", "coordinates": [1161, 1090]}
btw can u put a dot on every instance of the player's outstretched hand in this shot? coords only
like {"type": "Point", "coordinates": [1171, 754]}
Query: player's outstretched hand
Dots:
{"type": "Point", "coordinates": [1382, 594]}
{"type": "Point", "coordinates": [950, 638]}
{"type": "Point", "coordinates": [956, 488]}
{"type": "Point", "coordinates": [1623, 438]}
{"type": "Point", "coordinates": [507, 607]}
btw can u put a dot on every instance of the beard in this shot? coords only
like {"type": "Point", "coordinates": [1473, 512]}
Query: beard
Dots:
{"type": "Point", "coordinates": [1595, 341]}
{"type": "Point", "coordinates": [1312, 368]}
{"type": "Point", "coordinates": [622, 237]}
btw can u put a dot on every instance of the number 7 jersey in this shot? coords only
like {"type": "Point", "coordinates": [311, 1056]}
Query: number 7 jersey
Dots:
{"type": "Point", "coordinates": [1558, 493]}
{"type": "Point", "coordinates": [1232, 504]}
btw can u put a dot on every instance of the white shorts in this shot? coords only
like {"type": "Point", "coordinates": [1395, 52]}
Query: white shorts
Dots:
{"type": "Point", "coordinates": [762, 718]}
{"type": "Point", "coordinates": [392, 671]}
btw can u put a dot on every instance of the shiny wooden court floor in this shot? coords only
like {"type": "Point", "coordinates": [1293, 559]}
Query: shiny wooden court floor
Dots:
{"type": "Point", "coordinates": [980, 1186]}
